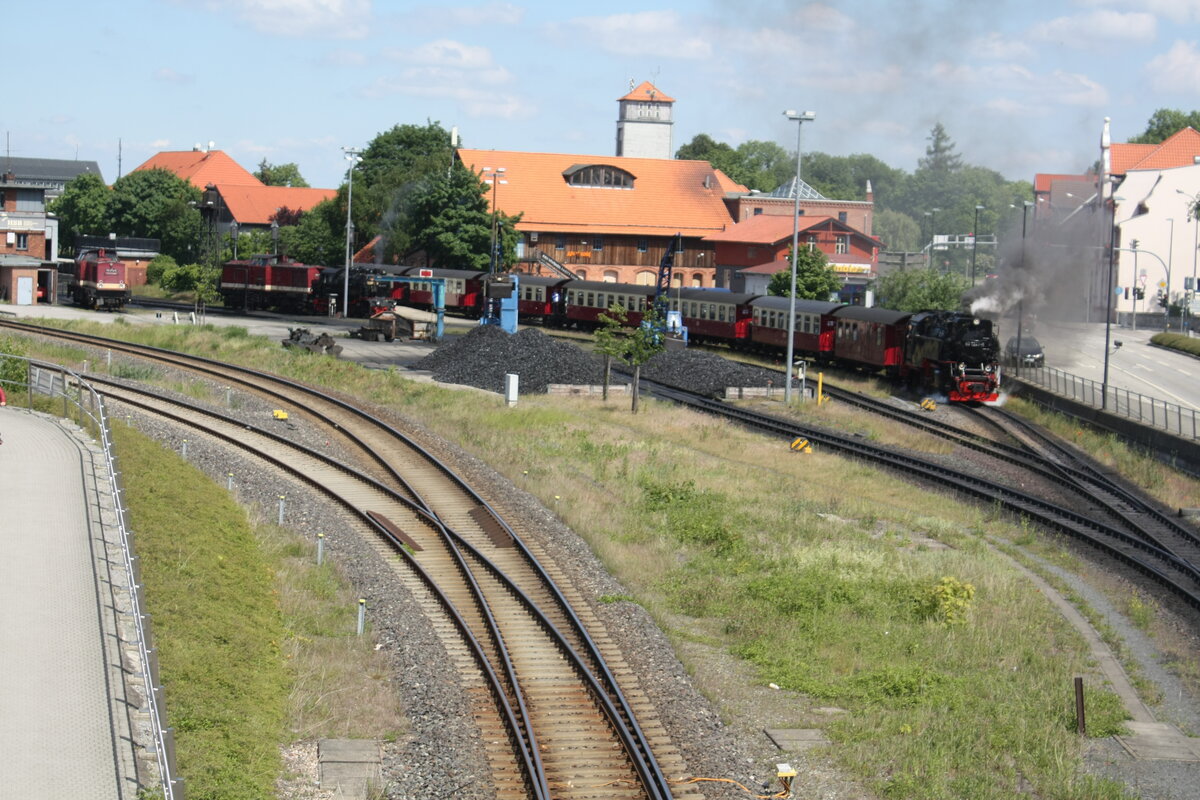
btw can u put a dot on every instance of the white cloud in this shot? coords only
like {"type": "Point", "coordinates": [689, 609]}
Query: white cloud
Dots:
{"type": "Point", "coordinates": [997, 47]}
{"type": "Point", "coordinates": [1178, 11]}
{"type": "Point", "coordinates": [818, 17]}
{"type": "Point", "coordinates": [446, 52]}
{"type": "Point", "coordinates": [160, 144]}
{"type": "Point", "coordinates": [474, 100]}
{"type": "Point", "coordinates": [339, 19]}
{"type": "Point", "coordinates": [486, 14]}
{"type": "Point", "coordinates": [168, 75]}
{"type": "Point", "coordinates": [1083, 30]}
{"type": "Point", "coordinates": [661, 34]}
{"type": "Point", "coordinates": [344, 58]}
{"type": "Point", "coordinates": [1177, 70]}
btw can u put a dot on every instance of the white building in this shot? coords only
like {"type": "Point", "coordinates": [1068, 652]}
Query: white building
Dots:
{"type": "Point", "coordinates": [644, 123]}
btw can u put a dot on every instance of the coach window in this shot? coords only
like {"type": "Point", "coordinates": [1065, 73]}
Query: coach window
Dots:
{"type": "Point", "coordinates": [879, 336]}
{"type": "Point", "coordinates": [720, 313]}
{"type": "Point", "coordinates": [591, 299]}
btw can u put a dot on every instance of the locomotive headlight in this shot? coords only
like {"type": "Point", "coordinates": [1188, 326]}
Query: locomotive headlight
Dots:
{"type": "Point", "coordinates": [989, 368]}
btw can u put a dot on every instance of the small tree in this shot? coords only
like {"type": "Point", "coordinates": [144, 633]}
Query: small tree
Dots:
{"type": "Point", "coordinates": [921, 290]}
{"type": "Point", "coordinates": [643, 343]}
{"type": "Point", "coordinates": [815, 279]}
{"type": "Point", "coordinates": [612, 339]}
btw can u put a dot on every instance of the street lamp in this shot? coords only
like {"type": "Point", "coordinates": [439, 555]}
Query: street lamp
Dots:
{"type": "Point", "coordinates": [932, 214]}
{"type": "Point", "coordinates": [800, 118]}
{"type": "Point", "coordinates": [1192, 215]}
{"type": "Point", "coordinates": [496, 179]}
{"type": "Point", "coordinates": [1021, 303]}
{"type": "Point", "coordinates": [353, 155]}
{"type": "Point", "coordinates": [975, 242]}
{"type": "Point", "coordinates": [1110, 291]}
{"type": "Point", "coordinates": [233, 232]}
{"type": "Point", "coordinates": [1170, 261]}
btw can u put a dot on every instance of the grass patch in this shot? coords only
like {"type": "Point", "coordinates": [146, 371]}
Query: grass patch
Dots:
{"type": "Point", "coordinates": [819, 571]}
{"type": "Point", "coordinates": [256, 643]}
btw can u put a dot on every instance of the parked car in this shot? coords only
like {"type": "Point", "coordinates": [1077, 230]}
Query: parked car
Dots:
{"type": "Point", "coordinates": [1031, 354]}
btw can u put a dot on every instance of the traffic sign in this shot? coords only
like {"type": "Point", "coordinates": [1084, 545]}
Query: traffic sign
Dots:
{"type": "Point", "coordinates": [1162, 284]}
{"type": "Point", "coordinates": [1118, 291]}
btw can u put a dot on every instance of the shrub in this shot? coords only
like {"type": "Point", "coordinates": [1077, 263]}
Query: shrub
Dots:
{"type": "Point", "coordinates": [948, 601]}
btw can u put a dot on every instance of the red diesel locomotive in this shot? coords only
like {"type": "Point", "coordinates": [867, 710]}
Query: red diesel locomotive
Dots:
{"type": "Point", "coordinates": [100, 280]}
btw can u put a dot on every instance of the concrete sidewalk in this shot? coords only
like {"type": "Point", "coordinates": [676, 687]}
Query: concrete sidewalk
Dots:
{"type": "Point", "coordinates": [61, 727]}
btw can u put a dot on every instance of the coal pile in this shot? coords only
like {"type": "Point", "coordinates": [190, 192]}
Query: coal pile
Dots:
{"type": "Point", "coordinates": [487, 353]}
{"type": "Point", "coordinates": [706, 373]}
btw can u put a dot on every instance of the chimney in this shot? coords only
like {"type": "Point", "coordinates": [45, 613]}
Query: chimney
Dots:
{"type": "Point", "coordinates": [870, 192]}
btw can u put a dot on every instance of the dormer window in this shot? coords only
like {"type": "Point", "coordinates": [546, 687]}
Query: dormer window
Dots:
{"type": "Point", "coordinates": [600, 176]}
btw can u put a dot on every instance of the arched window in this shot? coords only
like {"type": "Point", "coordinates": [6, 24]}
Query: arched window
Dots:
{"type": "Point", "coordinates": [646, 279]}
{"type": "Point", "coordinates": [610, 276]}
{"type": "Point", "coordinates": [697, 280]}
{"type": "Point", "coordinates": [601, 176]}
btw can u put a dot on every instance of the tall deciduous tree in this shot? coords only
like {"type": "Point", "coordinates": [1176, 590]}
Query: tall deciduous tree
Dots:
{"type": "Point", "coordinates": [921, 290]}
{"type": "Point", "coordinates": [157, 204]}
{"type": "Point", "coordinates": [1165, 123]}
{"type": "Point", "coordinates": [280, 174]}
{"type": "Point", "coordinates": [82, 208]}
{"type": "Point", "coordinates": [815, 279]}
{"type": "Point", "coordinates": [448, 217]}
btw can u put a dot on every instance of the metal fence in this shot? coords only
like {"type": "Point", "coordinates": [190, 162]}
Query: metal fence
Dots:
{"type": "Point", "coordinates": [1146, 410]}
{"type": "Point", "coordinates": [83, 404]}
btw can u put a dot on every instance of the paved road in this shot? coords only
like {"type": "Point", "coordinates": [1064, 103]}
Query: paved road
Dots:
{"type": "Point", "coordinates": [1078, 348]}
{"type": "Point", "coordinates": [59, 734]}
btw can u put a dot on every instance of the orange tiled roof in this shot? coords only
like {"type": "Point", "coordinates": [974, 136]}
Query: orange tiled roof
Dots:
{"type": "Point", "coordinates": [647, 91]}
{"type": "Point", "coordinates": [202, 168]}
{"type": "Point", "coordinates": [255, 205]}
{"type": "Point", "coordinates": [669, 196]}
{"type": "Point", "coordinates": [1178, 150]}
{"type": "Point", "coordinates": [764, 229]}
{"type": "Point", "coordinates": [1043, 181]}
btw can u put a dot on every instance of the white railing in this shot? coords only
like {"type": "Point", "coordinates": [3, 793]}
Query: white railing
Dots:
{"type": "Point", "coordinates": [1146, 410]}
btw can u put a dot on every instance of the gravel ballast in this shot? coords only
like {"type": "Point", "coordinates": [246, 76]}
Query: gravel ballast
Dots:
{"type": "Point", "coordinates": [443, 757]}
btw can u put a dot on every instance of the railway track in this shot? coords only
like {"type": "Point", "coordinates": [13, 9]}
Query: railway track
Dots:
{"type": "Point", "coordinates": [561, 715]}
{"type": "Point", "coordinates": [1138, 550]}
{"type": "Point", "coordinates": [1039, 453]}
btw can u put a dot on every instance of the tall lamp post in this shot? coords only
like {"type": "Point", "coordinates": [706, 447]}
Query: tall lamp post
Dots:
{"type": "Point", "coordinates": [1192, 215]}
{"type": "Point", "coordinates": [233, 232]}
{"type": "Point", "coordinates": [1170, 261]}
{"type": "Point", "coordinates": [975, 242]}
{"type": "Point", "coordinates": [1021, 303]}
{"type": "Point", "coordinates": [353, 155]}
{"type": "Point", "coordinates": [1110, 291]}
{"type": "Point", "coordinates": [497, 177]}
{"type": "Point", "coordinates": [932, 214]}
{"type": "Point", "coordinates": [799, 118]}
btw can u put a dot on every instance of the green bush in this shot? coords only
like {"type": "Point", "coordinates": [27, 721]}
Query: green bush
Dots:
{"type": "Point", "coordinates": [947, 601]}
{"type": "Point", "coordinates": [1177, 341]}
{"type": "Point", "coordinates": [13, 371]}
{"type": "Point", "coordinates": [159, 266]}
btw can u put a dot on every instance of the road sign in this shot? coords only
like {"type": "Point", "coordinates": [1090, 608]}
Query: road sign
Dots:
{"type": "Point", "coordinates": [1162, 284]}
{"type": "Point", "coordinates": [1119, 291]}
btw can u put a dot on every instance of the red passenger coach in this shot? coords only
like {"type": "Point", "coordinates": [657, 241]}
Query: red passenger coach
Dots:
{"type": "Point", "coordinates": [269, 281]}
{"type": "Point", "coordinates": [540, 296]}
{"type": "Point", "coordinates": [464, 289]}
{"type": "Point", "coordinates": [815, 327]}
{"type": "Point", "coordinates": [714, 315]}
{"type": "Point", "coordinates": [585, 301]}
{"type": "Point", "coordinates": [871, 337]}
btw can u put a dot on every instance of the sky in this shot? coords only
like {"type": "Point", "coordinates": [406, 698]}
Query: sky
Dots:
{"type": "Point", "coordinates": [1021, 87]}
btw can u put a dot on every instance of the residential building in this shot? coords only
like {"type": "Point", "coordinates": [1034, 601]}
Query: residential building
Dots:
{"type": "Point", "coordinates": [28, 235]}
{"type": "Point", "coordinates": [233, 198]}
